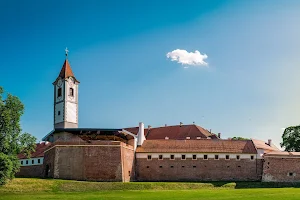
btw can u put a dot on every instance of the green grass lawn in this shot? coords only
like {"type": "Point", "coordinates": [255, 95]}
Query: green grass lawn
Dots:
{"type": "Point", "coordinates": [22, 188]}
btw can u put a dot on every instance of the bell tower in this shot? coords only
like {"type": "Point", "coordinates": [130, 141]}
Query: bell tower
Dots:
{"type": "Point", "coordinates": [66, 97]}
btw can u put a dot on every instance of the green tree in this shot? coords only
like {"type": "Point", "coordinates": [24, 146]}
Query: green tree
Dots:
{"type": "Point", "coordinates": [239, 138]}
{"type": "Point", "coordinates": [291, 138]}
{"type": "Point", "coordinates": [12, 141]}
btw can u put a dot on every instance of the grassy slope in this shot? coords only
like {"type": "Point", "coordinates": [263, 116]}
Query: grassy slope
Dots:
{"type": "Point", "coordinates": [61, 189]}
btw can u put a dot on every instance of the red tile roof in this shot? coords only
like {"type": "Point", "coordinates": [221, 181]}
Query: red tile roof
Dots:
{"type": "Point", "coordinates": [66, 71]}
{"type": "Point", "coordinates": [39, 150]}
{"type": "Point", "coordinates": [174, 132]}
{"type": "Point", "coordinates": [259, 144]}
{"type": "Point", "coordinates": [283, 153]}
{"type": "Point", "coordinates": [200, 146]}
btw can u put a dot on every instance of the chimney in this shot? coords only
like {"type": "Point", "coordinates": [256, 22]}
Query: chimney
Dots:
{"type": "Point", "coordinates": [141, 135]}
{"type": "Point", "coordinates": [269, 142]}
{"type": "Point", "coordinates": [194, 123]}
{"type": "Point", "coordinates": [149, 127]}
{"type": "Point", "coordinates": [166, 125]}
{"type": "Point", "coordinates": [219, 135]}
{"type": "Point", "coordinates": [181, 124]}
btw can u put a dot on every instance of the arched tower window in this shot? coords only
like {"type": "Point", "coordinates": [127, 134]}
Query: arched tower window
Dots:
{"type": "Point", "coordinates": [59, 92]}
{"type": "Point", "coordinates": [71, 92]}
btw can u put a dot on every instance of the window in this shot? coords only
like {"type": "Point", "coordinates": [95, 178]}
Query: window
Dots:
{"type": "Point", "coordinates": [182, 166]}
{"type": "Point", "coordinates": [26, 162]}
{"type": "Point", "coordinates": [194, 157]}
{"type": "Point", "coordinates": [58, 113]}
{"type": "Point", "coordinates": [32, 162]}
{"type": "Point", "coordinates": [216, 157]}
{"type": "Point", "coordinates": [22, 162]}
{"type": "Point", "coordinates": [252, 157]}
{"type": "Point", "coordinates": [71, 92]}
{"type": "Point", "coordinates": [227, 157]}
{"type": "Point", "coordinates": [160, 157]}
{"type": "Point", "coordinates": [172, 166]}
{"type": "Point", "coordinates": [291, 174]}
{"type": "Point", "coordinates": [39, 160]}
{"type": "Point", "coordinates": [238, 157]}
{"type": "Point", "coordinates": [182, 157]}
{"type": "Point", "coordinates": [194, 166]}
{"type": "Point", "coordinates": [128, 173]}
{"type": "Point", "coordinates": [59, 92]}
{"type": "Point", "coordinates": [147, 166]}
{"type": "Point", "coordinates": [172, 157]}
{"type": "Point", "coordinates": [205, 157]}
{"type": "Point", "coordinates": [160, 166]}
{"type": "Point", "coordinates": [149, 157]}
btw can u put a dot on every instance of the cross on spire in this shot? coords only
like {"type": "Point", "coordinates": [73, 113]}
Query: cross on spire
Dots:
{"type": "Point", "coordinates": [67, 51]}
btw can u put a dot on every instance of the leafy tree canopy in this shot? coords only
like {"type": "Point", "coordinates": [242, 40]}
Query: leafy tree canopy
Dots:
{"type": "Point", "coordinates": [12, 141]}
{"type": "Point", "coordinates": [239, 138]}
{"type": "Point", "coordinates": [291, 138]}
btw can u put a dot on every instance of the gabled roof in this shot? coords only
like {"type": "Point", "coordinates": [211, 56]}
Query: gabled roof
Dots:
{"type": "Point", "coordinates": [66, 71]}
{"type": "Point", "coordinates": [259, 144]}
{"type": "Point", "coordinates": [39, 150]}
{"type": "Point", "coordinates": [178, 132]}
{"type": "Point", "coordinates": [200, 146]}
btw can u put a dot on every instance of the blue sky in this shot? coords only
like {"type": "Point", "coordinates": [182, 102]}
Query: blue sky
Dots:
{"type": "Point", "coordinates": [249, 88]}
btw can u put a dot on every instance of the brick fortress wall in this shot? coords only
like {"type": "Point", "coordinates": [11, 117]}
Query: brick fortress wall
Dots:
{"type": "Point", "coordinates": [281, 169]}
{"type": "Point", "coordinates": [100, 161]}
{"type": "Point", "coordinates": [198, 170]}
{"type": "Point", "coordinates": [31, 171]}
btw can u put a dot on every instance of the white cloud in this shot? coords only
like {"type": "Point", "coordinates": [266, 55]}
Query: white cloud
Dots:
{"type": "Point", "coordinates": [188, 58]}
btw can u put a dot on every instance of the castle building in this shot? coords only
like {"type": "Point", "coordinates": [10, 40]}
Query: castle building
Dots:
{"type": "Point", "coordinates": [168, 153]}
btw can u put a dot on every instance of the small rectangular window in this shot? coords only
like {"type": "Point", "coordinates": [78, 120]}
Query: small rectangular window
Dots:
{"type": "Point", "coordinates": [172, 157]}
{"type": "Point", "coordinates": [26, 162]}
{"type": "Point", "coordinates": [182, 157]}
{"type": "Point", "coordinates": [252, 157]}
{"type": "Point", "coordinates": [172, 166]}
{"type": "Point", "coordinates": [194, 166]}
{"type": "Point", "coordinates": [71, 92]}
{"type": "Point", "coordinates": [32, 162]}
{"type": "Point", "coordinates": [291, 174]}
{"type": "Point", "coordinates": [160, 166]}
{"type": "Point", "coordinates": [39, 160]}
{"type": "Point", "coordinates": [205, 157]}
{"type": "Point", "coordinates": [194, 157]}
{"type": "Point", "coordinates": [160, 157]}
{"type": "Point", "coordinates": [238, 157]}
{"type": "Point", "coordinates": [149, 157]}
{"type": "Point", "coordinates": [58, 113]}
{"type": "Point", "coordinates": [22, 162]}
{"type": "Point", "coordinates": [227, 157]}
{"type": "Point", "coordinates": [216, 157]}
{"type": "Point", "coordinates": [59, 92]}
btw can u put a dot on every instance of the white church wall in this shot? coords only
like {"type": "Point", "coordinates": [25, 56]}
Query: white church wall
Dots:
{"type": "Point", "coordinates": [199, 155]}
{"type": "Point", "coordinates": [31, 161]}
{"type": "Point", "coordinates": [59, 108]}
{"type": "Point", "coordinates": [71, 115]}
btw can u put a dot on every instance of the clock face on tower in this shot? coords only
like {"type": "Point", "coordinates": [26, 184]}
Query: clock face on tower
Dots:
{"type": "Point", "coordinates": [59, 83]}
{"type": "Point", "coordinates": [71, 81]}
